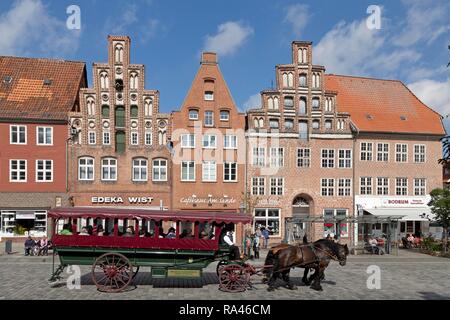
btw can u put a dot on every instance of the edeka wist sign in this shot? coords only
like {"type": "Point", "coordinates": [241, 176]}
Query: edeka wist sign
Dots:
{"type": "Point", "coordinates": [121, 200]}
{"type": "Point", "coordinates": [222, 200]}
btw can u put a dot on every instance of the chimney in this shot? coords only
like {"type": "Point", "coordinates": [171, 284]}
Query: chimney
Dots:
{"type": "Point", "coordinates": [209, 58]}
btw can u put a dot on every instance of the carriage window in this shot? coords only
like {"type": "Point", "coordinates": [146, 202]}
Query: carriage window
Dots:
{"type": "Point", "coordinates": [168, 230]}
{"type": "Point", "coordinates": [147, 228]}
{"type": "Point", "coordinates": [186, 230]}
{"type": "Point", "coordinates": [127, 227]}
{"type": "Point", "coordinates": [206, 230]}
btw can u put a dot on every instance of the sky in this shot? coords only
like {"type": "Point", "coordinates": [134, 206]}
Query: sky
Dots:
{"type": "Point", "coordinates": [410, 42]}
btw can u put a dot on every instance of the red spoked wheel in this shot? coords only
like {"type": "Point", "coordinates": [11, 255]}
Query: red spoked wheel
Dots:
{"type": "Point", "coordinates": [233, 278]}
{"type": "Point", "coordinates": [112, 272]}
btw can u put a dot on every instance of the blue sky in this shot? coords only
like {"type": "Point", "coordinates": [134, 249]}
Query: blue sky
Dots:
{"type": "Point", "coordinates": [251, 37]}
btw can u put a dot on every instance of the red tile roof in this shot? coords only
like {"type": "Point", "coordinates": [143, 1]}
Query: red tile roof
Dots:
{"type": "Point", "coordinates": [27, 97]}
{"type": "Point", "coordinates": [383, 106]}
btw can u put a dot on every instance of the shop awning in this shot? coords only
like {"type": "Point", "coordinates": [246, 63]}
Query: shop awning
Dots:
{"type": "Point", "coordinates": [415, 214]}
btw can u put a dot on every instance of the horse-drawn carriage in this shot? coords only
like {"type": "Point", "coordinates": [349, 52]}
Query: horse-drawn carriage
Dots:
{"type": "Point", "coordinates": [116, 255]}
{"type": "Point", "coordinates": [117, 242]}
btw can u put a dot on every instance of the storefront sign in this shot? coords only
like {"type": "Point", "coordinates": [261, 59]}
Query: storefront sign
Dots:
{"type": "Point", "coordinates": [402, 202]}
{"type": "Point", "coordinates": [120, 200]}
{"type": "Point", "coordinates": [191, 200]}
{"type": "Point", "coordinates": [268, 202]}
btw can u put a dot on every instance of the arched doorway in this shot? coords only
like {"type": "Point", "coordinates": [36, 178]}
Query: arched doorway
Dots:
{"type": "Point", "coordinates": [298, 226]}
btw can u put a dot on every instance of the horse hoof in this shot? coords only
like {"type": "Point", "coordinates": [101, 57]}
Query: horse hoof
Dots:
{"type": "Point", "coordinates": [270, 289]}
{"type": "Point", "coordinates": [293, 287]}
{"type": "Point", "coordinates": [317, 288]}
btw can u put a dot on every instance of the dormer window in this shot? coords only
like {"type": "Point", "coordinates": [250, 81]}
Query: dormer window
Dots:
{"type": "Point", "coordinates": [193, 114]}
{"type": "Point", "coordinates": [209, 95]}
{"type": "Point", "coordinates": [224, 115]}
{"type": "Point", "coordinates": [315, 103]}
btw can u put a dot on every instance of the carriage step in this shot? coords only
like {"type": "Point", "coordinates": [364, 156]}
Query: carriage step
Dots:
{"type": "Point", "coordinates": [162, 273]}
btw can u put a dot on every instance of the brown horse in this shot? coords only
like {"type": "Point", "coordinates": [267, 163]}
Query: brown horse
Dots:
{"type": "Point", "coordinates": [282, 258]}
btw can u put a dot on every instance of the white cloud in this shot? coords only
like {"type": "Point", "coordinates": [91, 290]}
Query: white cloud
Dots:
{"type": "Point", "coordinates": [28, 28]}
{"type": "Point", "coordinates": [298, 15]}
{"type": "Point", "coordinates": [230, 36]}
{"type": "Point", "coordinates": [435, 94]}
{"type": "Point", "coordinates": [119, 26]}
{"type": "Point", "coordinates": [253, 101]}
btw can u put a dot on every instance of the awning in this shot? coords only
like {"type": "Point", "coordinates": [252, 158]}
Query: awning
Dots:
{"type": "Point", "coordinates": [415, 214]}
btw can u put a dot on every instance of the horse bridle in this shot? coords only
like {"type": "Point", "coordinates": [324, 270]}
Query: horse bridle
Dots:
{"type": "Point", "coordinates": [332, 256]}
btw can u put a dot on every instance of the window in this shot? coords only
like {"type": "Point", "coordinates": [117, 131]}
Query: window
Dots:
{"type": "Point", "coordinates": [419, 186]}
{"type": "Point", "coordinates": [366, 185]}
{"type": "Point", "coordinates": [327, 187]}
{"type": "Point", "coordinates": [302, 80]}
{"type": "Point", "coordinates": [17, 170]}
{"type": "Point", "coordinates": [187, 171]}
{"type": "Point", "coordinates": [120, 141]}
{"type": "Point", "coordinates": [303, 157]}
{"type": "Point", "coordinates": [134, 81]}
{"type": "Point", "coordinates": [162, 137]}
{"type": "Point", "coordinates": [316, 124]}
{"type": "Point", "coordinates": [209, 141]}
{"type": "Point", "coordinates": [273, 103]}
{"type": "Point", "coordinates": [288, 102]}
{"type": "Point", "coordinates": [91, 137]}
{"type": "Point", "coordinates": [328, 124]}
{"type": "Point", "coordinates": [259, 156]}
{"type": "Point", "coordinates": [366, 151]}
{"type": "Point", "coordinates": [134, 138]}
{"type": "Point", "coordinates": [187, 141]}
{"type": "Point", "coordinates": [148, 138]}
{"type": "Point", "coordinates": [290, 79]}
{"type": "Point", "coordinates": [328, 104]}
{"type": "Point", "coordinates": [303, 130]}
{"type": "Point", "coordinates": [209, 95]}
{"type": "Point", "coordinates": [268, 218]}
{"type": "Point", "coordinates": [193, 114]}
{"type": "Point", "coordinates": [86, 168]}
{"type": "Point", "coordinates": [419, 153]}
{"type": "Point", "coordinates": [302, 55]}
{"type": "Point", "coordinates": [345, 158]}
{"type": "Point", "coordinates": [276, 186]}
{"type": "Point", "coordinates": [134, 111]}
{"type": "Point", "coordinates": [44, 135]}
{"type": "Point", "coordinates": [18, 135]}
{"type": "Point", "coordinates": [334, 222]}
{"type": "Point", "coordinates": [224, 115]}
{"type": "Point", "coordinates": [118, 53]}
{"type": "Point", "coordinates": [105, 112]}
{"type": "Point", "coordinates": [109, 169]}
{"type": "Point", "coordinates": [382, 186]}
{"type": "Point", "coordinates": [327, 158]}
{"type": "Point", "coordinates": [401, 186]}
{"type": "Point", "coordinates": [315, 103]}
{"type": "Point", "coordinates": [302, 106]}
{"type": "Point", "coordinates": [139, 169]}
{"type": "Point", "coordinates": [274, 123]}
{"type": "Point", "coordinates": [209, 171]}
{"type": "Point", "coordinates": [90, 105]}
{"type": "Point", "coordinates": [104, 81]}
{"type": "Point", "coordinates": [288, 124]}
{"type": "Point", "coordinates": [258, 186]}
{"type": "Point", "coordinates": [285, 80]}
{"type": "Point", "coordinates": [106, 138]}
{"type": "Point", "coordinates": [209, 118]}
{"type": "Point", "coordinates": [341, 124]}
{"type": "Point", "coordinates": [230, 142]}
{"type": "Point", "coordinates": [383, 152]}
{"type": "Point", "coordinates": [120, 117]}
{"type": "Point", "coordinates": [148, 106]}
{"type": "Point", "coordinates": [401, 152]}
{"type": "Point", "coordinates": [230, 171]}
{"type": "Point", "coordinates": [316, 80]}
{"type": "Point", "coordinates": [159, 170]}
{"type": "Point", "coordinates": [276, 157]}
{"type": "Point", "coordinates": [344, 187]}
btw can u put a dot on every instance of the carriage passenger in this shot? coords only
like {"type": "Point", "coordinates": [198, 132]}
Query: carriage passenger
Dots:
{"type": "Point", "coordinates": [66, 230]}
{"type": "Point", "coordinates": [228, 239]}
{"type": "Point", "coordinates": [129, 232]}
{"type": "Point", "coordinates": [84, 232]}
{"type": "Point", "coordinates": [100, 231]}
{"type": "Point", "coordinates": [171, 234]}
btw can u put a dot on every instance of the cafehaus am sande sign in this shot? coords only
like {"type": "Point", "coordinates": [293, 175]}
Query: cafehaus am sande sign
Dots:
{"type": "Point", "coordinates": [195, 200]}
{"type": "Point", "coordinates": [121, 200]}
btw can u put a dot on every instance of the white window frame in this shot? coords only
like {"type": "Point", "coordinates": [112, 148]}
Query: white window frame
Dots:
{"type": "Point", "coordinates": [133, 135]}
{"type": "Point", "coordinates": [45, 136]}
{"type": "Point", "coordinates": [106, 133]}
{"type": "Point", "coordinates": [141, 169]}
{"type": "Point", "coordinates": [258, 158]}
{"type": "Point", "coordinates": [18, 134]}
{"type": "Point", "coordinates": [421, 188]}
{"type": "Point", "coordinates": [275, 188]}
{"type": "Point", "coordinates": [363, 183]}
{"type": "Point", "coordinates": [209, 171]}
{"type": "Point", "coordinates": [345, 187]}
{"type": "Point", "coordinates": [346, 159]}
{"type": "Point", "coordinates": [276, 157]}
{"type": "Point", "coordinates": [259, 187]}
{"type": "Point", "coordinates": [209, 95]}
{"type": "Point", "coordinates": [227, 113]}
{"type": "Point", "coordinates": [225, 169]}
{"type": "Point", "coordinates": [383, 186]}
{"type": "Point", "coordinates": [188, 141]}
{"type": "Point", "coordinates": [44, 170]}
{"type": "Point", "coordinates": [189, 114]}
{"type": "Point", "coordinates": [147, 134]}
{"type": "Point", "coordinates": [206, 124]}
{"type": "Point", "coordinates": [156, 176]}
{"type": "Point", "coordinates": [403, 154]}
{"type": "Point", "coordinates": [230, 138]}
{"type": "Point", "coordinates": [266, 218]}
{"type": "Point", "coordinates": [367, 153]}
{"type": "Point", "coordinates": [327, 158]}
{"type": "Point", "coordinates": [327, 186]}
{"type": "Point", "coordinates": [335, 222]}
{"type": "Point", "coordinates": [208, 138]}
{"type": "Point", "coordinates": [90, 135]}
{"type": "Point", "coordinates": [188, 172]}
{"type": "Point", "coordinates": [383, 153]}
{"type": "Point", "coordinates": [420, 154]}
{"type": "Point", "coordinates": [400, 186]}
{"type": "Point", "coordinates": [109, 168]}
{"type": "Point", "coordinates": [87, 166]}
{"type": "Point", "coordinates": [18, 170]}
{"type": "Point", "coordinates": [305, 159]}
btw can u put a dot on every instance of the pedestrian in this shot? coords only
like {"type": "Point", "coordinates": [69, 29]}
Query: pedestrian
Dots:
{"type": "Point", "coordinates": [256, 246]}
{"type": "Point", "coordinates": [29, 244]}
{"type": "Point", "coordinates": [248, 244]}
{"type": "Point", "coordinates": [265, 235]}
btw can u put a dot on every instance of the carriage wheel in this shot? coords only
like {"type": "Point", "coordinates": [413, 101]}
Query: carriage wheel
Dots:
{"type": "Point", "coordinates": [112, 272]}
{"type": "Point", "coordinates": [233, 278]}
{"type": "Point", "coordinates": [220, 265]}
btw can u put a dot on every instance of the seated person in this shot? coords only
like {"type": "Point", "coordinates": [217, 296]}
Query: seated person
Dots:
{"type": "Point", "coordinates": [161, 233]}
{"type": "Point", "coordinates": [234, 250]}
{"type": "Point", "coordinates": [411, 239]}
{"type": "Point", "coordinates": [66, 230]}
{"type": "Point", "coordinates": [29, 244]}
{"type": "Point", "coordinates": [43, 246]}
{"type": "Point", "coordinates": [373, 244]}
{"type": "Point", "coordinates": [129, 232]}
{"type": "Point", "coordinates": [187, 233]}
{"type": "Point", "coordinates": [171, 234]}
{"type": "Point", "coordinates": [204, 235]}
{"type": "Point", "coordinates": [100, 231]}
{"type": "Point", "coordinates": [84, 232]}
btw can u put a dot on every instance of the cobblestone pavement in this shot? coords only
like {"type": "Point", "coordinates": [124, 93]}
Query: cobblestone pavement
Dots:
{"type": "Point", "coordinates": [408, 276]}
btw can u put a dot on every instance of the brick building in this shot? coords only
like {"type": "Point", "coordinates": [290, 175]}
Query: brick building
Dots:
{"type": "Point", "coordinates": [324, 149]}
{"type": "Point", "coordinates": [118, 151]}
{"type": "Point", "coordinates": [36, 96]}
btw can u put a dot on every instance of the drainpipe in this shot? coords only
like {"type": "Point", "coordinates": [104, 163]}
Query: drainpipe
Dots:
{"type": "Point", "coordinates": [355, 209]}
